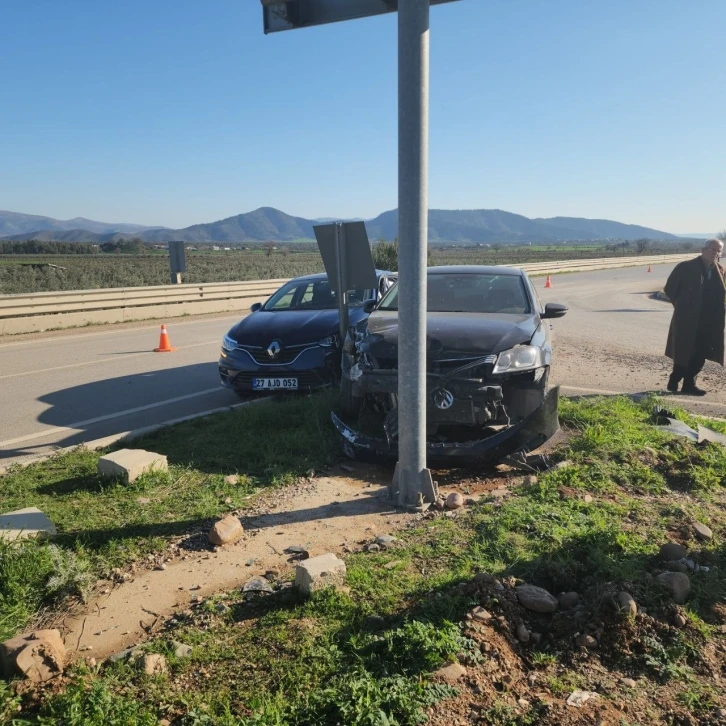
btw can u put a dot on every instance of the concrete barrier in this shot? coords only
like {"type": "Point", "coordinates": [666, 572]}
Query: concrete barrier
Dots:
{"type": "Point", "coordinates": [41, 311]}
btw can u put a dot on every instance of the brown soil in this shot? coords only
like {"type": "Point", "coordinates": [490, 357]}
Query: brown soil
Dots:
{"type": "Point", "coordinates": [327, 514]}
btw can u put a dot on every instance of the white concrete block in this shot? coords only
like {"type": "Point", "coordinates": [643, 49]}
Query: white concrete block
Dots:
{"type": "Point", "coordinates": [29, 522]}
{"type": "Point", "coordinates": [318, 572]}
{"type": "Point", "coordinates": [129, 464]}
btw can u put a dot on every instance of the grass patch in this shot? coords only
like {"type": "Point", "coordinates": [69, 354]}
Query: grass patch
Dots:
{"type": "Point", "coordinates": [285, 661]}
{"type": "Point", "coordinates": [104, 524]}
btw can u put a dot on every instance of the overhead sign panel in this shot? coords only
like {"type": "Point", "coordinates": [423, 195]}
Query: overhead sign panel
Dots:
{"type": "Point", "coordinates": [290, 14]}
{"type": "Point", "coordinates": [348, 251]}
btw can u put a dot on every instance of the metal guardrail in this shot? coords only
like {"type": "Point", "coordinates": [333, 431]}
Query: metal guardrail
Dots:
{"type": "Point", "coordinates": [40, 311]}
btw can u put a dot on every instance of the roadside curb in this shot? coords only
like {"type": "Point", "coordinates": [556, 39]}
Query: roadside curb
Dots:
{"type": "Point", "coordinates": [127, 436]}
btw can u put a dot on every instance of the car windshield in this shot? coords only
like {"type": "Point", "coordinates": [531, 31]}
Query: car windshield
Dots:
{"type": "Point", "coordinates": [470, 293]}
{"type": "Point", "coordinates": [310, 295]}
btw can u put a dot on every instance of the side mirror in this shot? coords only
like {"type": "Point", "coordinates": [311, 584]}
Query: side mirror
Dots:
{"type": "Point", "coordinates": [555, 310]}
{"type": "Point", "coordinates": [369, 306]}
{"type": "Point", "coordinates": [255, 307]}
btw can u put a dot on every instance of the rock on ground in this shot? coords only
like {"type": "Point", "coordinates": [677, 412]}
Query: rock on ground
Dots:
{"type": "Point", "coordinates": [28, 522]}
{"type": "Point", "coordinates": [702, 532]}
{"type": "Point", "coordinates": [678, 584]}
{"type": "Point", "coordinates": [451, 673]}
{"type": "Point", "coordinates": [129, 464]}
{"type": "Point", "coordinates": [154, 664]}
{"type": "Point", "coordinates": [568, 600]}
{"type": "Point", "coordinates": [580, 698]}
{"type": "Point", "coordinates": [627, 603]}
{"type": "Point", "coordinates": [536, 599]}
{"type": "Point", "coordinates": [39, 656]}
{"type": "Point", "coordinates": [454, 501]}
{"type": "Point", "coordinates": [585, 641]}
{"type": "Point", "coordinates": [181, 650]}
{"type": "Point", "coordinates": [319, 572]}
{"type": "Point", "coordinates": [386, 540]}
{"type": "Point", "coordinates": [523, 633]}
{"type": "Point", "coordinates": [672, 551]}
{"type": "Point", "coordinates": [226, 530]}
{"type": "Point", "coordinates": [480, 614]}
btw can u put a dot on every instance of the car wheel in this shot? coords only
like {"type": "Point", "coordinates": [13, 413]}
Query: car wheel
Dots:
{"type": "Point", "coordinates": [350, 405]}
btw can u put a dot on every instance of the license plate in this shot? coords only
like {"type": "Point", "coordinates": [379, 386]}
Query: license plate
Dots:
{"type": "Point", "coordinates": [274, 384]}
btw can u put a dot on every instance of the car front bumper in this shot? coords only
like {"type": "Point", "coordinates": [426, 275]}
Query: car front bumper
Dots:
{"type": "Point", "coordinates": [526, 435]}
{"type": "Point", "coordinates": [313, 369]}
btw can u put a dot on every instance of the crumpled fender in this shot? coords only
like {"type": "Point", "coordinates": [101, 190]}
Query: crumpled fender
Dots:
{"type": "Point", "coordinates": [527, 435]}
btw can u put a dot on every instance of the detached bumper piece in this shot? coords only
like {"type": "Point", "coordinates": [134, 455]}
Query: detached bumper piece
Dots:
{"type": "Point", "coordinates": [526, 435]}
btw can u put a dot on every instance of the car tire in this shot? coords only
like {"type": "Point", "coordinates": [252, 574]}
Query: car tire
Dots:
{"type": "Point", "coordinates": [350, 404]}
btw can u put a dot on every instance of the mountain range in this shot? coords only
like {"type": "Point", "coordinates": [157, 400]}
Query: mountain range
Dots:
{"type": "Point", "coordinates": [14, 223]}
{"type": "Point", "coordinates": [459, 226]}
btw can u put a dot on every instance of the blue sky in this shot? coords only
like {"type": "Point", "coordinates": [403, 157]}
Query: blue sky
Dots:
{"type": "Point", "coordinates": [175, 112]}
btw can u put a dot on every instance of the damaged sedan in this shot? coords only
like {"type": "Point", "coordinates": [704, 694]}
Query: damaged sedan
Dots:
{"type": "Point", "coordinates": [489, 351]}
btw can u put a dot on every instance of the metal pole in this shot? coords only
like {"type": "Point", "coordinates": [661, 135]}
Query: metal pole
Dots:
{"type": "Point", "coordinates": [342, 269]}
{"type": "Point", "coordinates": [412, 477]}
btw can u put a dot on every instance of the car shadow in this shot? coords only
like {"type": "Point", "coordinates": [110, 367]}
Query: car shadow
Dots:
{"type": "Point", "coordinates": [115, 405]}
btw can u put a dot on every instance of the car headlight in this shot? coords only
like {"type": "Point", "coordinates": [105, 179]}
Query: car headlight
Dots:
{"type": "Point", "coordinates": [522, 358]}
{"type": "Point", "coordinates": [228, 343]}
{"type": "Point", "coordinates": [330, 342]}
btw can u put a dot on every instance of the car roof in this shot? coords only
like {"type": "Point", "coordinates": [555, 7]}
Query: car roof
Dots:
{"type": "Point", "coordinates": [324, 276]}
{"type": "Point", "coordinates": [474, 270]}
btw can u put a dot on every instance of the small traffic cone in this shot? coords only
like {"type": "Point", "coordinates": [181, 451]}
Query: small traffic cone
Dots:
{"type": "Point", "coordinates": [649, 270]}
{"type": "Point", "coordinates": [164, 344]}
{"type": "Point", "coordinates": [549, 281]}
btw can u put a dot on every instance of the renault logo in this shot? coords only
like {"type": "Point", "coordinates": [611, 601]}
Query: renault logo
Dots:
{"type": "Point", "coordinates": [273, 349]}
{"type": "Point", "coordinates": [443, 399]}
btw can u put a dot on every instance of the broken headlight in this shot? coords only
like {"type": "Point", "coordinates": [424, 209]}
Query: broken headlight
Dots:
{"type": "Point", "coordinates": [521, 358]}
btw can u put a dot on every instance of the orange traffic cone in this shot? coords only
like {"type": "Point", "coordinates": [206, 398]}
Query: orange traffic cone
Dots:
{"type": "Point", "coordinates": [649, 270]}
{"type": "Point", "coordinates": [164, 344]}
{"type": "Point", "coordinates": [549, 282]}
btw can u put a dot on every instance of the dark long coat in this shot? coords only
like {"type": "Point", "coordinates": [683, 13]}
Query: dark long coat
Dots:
{"type": "Point", "coordinates": [685, 289]}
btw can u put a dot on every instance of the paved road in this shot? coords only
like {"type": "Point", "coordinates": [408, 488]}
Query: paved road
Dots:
{"type": "Point", "coordinates": [77, 386]}
{"type": "Point", "coordinates": [612, 339]}
{"type": "Point", "coordinates": [72, 388]}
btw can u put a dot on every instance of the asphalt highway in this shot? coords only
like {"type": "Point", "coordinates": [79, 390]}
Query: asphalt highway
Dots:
{"type": "Point", "coordinates": [66, 388]}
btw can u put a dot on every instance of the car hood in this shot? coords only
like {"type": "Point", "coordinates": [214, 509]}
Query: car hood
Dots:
{"type": "Point", "coordinates": [290, 327]}
{"type": "Point", "coordinates": [458, 333]}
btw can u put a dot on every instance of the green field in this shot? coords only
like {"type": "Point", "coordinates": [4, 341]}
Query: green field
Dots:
{"type": "Point", "coordinates": [31, 273]}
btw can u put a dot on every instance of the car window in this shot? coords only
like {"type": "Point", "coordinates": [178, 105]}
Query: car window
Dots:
{"type": "Point", "coordinates": [470, 293]}
{"type": "Point", "coordinates": [311, 295]}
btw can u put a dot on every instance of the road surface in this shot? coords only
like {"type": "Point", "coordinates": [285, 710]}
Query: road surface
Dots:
{"type": "Point", "coordinates": [76, 386]}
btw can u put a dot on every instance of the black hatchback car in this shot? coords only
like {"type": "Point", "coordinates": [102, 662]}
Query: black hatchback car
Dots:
{"type": "Point", "coordinates": [291, 342]}
{"type": "Point", "coordinates": [488, 349]}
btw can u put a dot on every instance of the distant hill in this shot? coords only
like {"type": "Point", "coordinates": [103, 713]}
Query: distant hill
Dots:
{"type": "Point", "coordinates": [14, 223]}
{"type": "Point", "coordinates": [459, 226]}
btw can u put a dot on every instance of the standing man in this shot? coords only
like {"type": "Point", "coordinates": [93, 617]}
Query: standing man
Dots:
{"type": "Point", "coordinates": [696, 289]}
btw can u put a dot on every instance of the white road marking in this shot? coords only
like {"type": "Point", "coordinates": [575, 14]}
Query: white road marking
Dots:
{"type": "Point", "coordinates": [116, 331]}
{"type": "Point", "coordinates": [102, 360]}
{"type": "Point", "coordinates": [119, 414]}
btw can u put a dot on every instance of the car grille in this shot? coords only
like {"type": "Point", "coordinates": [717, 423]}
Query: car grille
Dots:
{"type": "Point", "coordinates": [283, 358]}
{"type": "Point", "coordinates": [461, 412]}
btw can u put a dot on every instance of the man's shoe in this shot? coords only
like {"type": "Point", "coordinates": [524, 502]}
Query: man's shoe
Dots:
{"type": "Point", "coordinates": [691, 389]}
{"type": "Point", "coordinates": [673, 384]}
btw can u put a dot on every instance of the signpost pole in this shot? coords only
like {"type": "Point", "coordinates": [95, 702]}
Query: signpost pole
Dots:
{"type": "Point", "coordinates": [412, 477]}
{"type": "Point", "coordinates": [342, 269]}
